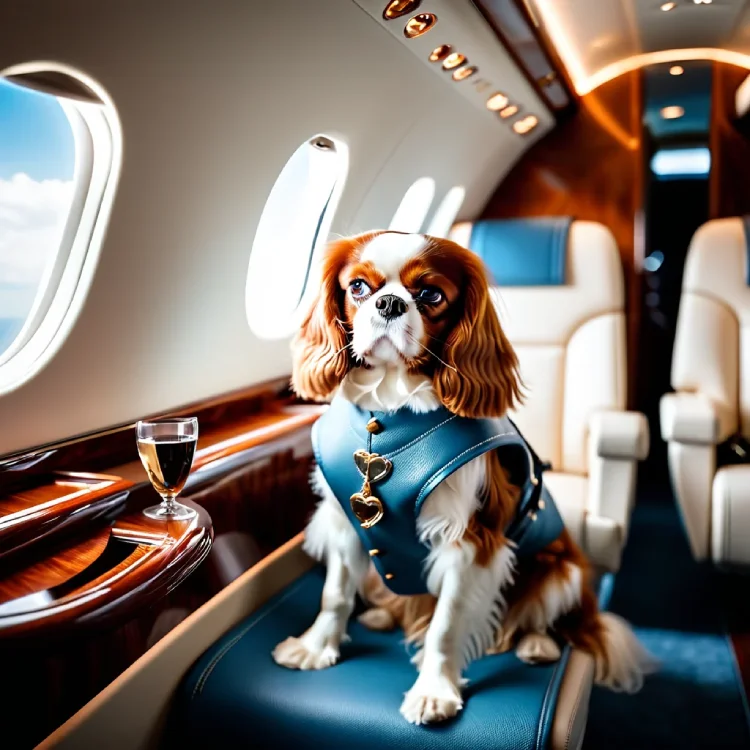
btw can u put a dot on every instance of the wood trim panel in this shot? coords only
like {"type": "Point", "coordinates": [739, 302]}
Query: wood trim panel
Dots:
{"type": "Point", "coordinates": [93, 579]}
{"type": "Point", "coordinates": [224, 442]}
{"type": "Point", "coordinates": [150, 558]}
{"type": "Point", "coordinates": [100, 451]}
{"type": "Point", "coordinates": [729, 178]}
{"type": "Point", "coordinates": [591, 167]}
{"type": "Point", "coordinates": [69, 500]}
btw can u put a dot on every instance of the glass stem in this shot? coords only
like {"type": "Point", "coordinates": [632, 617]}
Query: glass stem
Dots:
{"type": "Point", "coordinates": [169, 503]}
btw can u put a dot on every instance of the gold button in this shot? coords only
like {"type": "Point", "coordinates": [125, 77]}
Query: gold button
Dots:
{"type": "Point", "coordinates": [533, 516]}
{"type": "Point", "coordinates": [388, 576]}
{"type": "Point", "coordinates": [374, 552]}
{"type": "Point", "coordinates": [374, 427]}
{"type": "Point", "coordinates": [541, 505]}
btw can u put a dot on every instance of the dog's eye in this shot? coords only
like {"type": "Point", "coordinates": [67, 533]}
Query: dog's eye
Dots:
{"type": "Point", "coordinates": [359, 289]}
{"type": "Point", "coordinates": [430, 295]}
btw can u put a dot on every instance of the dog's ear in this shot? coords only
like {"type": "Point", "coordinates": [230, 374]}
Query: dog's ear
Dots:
{"type": "Point", "coordinates": [320, 354]}
{"type": "Point", "coordinates": [320, 357]}
{"type": "Point", "coordinates": [479, 376]}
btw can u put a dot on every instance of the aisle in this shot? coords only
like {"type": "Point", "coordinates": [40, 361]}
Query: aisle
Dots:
{"type": "Point", "coordinates": [696, 700]}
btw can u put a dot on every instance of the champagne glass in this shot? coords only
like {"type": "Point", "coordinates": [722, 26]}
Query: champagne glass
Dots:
{"type": "Point", "coordinates": [166, 448]}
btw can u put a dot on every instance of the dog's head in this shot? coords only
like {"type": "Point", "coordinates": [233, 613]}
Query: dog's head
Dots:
{"type": "Point", "coordinates": [411, 300]}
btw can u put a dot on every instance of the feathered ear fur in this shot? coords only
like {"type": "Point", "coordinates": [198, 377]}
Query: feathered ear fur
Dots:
{"type": "Point", "coordinates": [320, 357]}
{"type": "Point", "coordinates": [479, 376]}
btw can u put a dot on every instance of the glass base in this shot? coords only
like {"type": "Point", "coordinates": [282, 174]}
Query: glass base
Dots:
{"type": "Point", "coordinates": [170, 512]}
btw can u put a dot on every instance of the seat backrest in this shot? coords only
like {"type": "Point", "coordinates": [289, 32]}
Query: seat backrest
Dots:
{"type": "Point", "coordinates": [561, 301]}
{"type": "Point", "coordinates": [712, 342]}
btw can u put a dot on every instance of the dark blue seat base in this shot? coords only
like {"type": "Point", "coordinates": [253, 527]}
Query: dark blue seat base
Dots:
{"type": "Point", "coordinates": [236, 696]}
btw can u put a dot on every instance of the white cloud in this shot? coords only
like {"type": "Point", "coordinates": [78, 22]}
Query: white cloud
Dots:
{"type": "Point", "coordinates": [32, 219]}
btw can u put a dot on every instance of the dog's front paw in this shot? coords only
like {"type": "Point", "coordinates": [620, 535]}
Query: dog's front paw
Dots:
{"type": "Point", "coordinates": [431, 700]}
{"type": "Point", "coordinates": [537, 648]}
{"type": "Point", "coordinates": [294, 653]}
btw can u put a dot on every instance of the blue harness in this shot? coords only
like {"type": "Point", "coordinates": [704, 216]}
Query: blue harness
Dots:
{"type": "Point", "coordinates": [381, 466]}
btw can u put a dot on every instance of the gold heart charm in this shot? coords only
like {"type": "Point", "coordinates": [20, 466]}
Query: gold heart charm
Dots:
{"type": "Point", "coordinates": [372, 466]}
{"type": "Point", "coordinates": [367, 508]}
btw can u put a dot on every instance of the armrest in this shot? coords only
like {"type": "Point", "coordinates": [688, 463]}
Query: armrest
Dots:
{"type": "Point", "coordinates": [693, 418]}
{"type": "Point", "coordinates": [619, 434]}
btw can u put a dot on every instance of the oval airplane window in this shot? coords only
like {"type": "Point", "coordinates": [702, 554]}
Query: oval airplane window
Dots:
{"type": "Point", "coordinates": [59, 160]}
{"type": "Point", "coordinates": [446, 212]}
{"type": "Point", "coordinates": [415, 204]}
{"type": "Point", "coordinates": [295, 222]}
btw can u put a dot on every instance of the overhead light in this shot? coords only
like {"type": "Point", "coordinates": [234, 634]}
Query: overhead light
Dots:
{"type": "Point", "coordinates": [508, 111]}
{"type": "Point", "coordinates": [453, 61]}
{"type": "Point", "coordinates": [672, 112]}
{"type": "Point", "coordinates": [462, 73]}
{"type": "Point", "coordinates": [676, 70]}
{"type": "Point", "coordinates": [497, 102]}
{"type": "Point", "coordinates": [702, 2]}
{"type": "Point", "coordinates": [398, 8]}
{"type": "Point", "coordinates": [440, 52]}
{"type": "Point", "coordinates": [668, 6]}
{"type": "Point", "coordinates": [522, 127]}
{"type": "Point", "coordinates": [419, 25]}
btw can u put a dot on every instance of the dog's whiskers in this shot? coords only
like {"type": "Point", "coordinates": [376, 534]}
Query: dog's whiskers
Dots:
{"type": "Point", "coordinates": [346, 346]}
{"type": "Point", "coordinates": [429, 351]}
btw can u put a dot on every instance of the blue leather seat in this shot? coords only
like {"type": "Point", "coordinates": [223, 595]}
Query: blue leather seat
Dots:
{"type": "Point", "coordinates": [236, 696]}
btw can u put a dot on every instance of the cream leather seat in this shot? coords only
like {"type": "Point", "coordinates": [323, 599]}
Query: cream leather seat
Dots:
{"type": "Point", "coordinates": [711, 377]}
{"type": "Point", "coordinates": [561, 301]}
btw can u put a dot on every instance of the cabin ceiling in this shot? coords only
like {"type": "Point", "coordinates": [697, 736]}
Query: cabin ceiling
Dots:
{"type": "Point", "coordinates": [591, 35]}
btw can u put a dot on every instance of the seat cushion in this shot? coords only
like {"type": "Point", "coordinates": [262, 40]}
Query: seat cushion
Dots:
{"type": "Point", "coordinates": [599, 537]}
{"type": "Point", "coordinates": [236, 696]}
{"type": "Point", "coordinates": [730, 516]}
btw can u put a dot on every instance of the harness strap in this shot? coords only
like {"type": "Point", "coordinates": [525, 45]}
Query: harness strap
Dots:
{"type": "Point", "coordinates": [531, 494]}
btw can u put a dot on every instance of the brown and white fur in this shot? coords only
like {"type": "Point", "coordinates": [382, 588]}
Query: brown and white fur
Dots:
{"type": "Point", "coordinates": [446, 347]}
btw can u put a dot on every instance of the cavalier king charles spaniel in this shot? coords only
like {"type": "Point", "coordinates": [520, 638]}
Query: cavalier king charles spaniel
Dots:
{"type": "Point", "coordinates": [406, 322]}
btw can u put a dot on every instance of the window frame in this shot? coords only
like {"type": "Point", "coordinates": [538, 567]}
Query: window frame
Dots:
{"type": "Point", "coordinates": [67, 276]}
{"type": "Point", "coordinates": [402, 221]}
{"type": "Point", "coordinates": [266, 327]}
{"type": "Point", "coordinates": [446, 212]}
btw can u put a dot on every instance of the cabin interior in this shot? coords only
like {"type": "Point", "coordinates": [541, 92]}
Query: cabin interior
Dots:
{"type": "Point", "coordinates": [170, 174]}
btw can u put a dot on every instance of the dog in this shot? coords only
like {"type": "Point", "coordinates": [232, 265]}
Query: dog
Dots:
{"type": "Point", "coordinates": [404, 328]}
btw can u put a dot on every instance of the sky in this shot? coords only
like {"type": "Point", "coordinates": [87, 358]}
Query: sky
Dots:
{"type": "Point", "coordinates": [37, 159]}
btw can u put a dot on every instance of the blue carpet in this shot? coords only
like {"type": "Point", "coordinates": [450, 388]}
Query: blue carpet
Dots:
{"type": "Point", "coordinates": [696, 699]}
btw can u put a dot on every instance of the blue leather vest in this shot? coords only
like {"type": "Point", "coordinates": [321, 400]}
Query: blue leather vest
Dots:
{"type": "Point", "coordinates": [405, 456]}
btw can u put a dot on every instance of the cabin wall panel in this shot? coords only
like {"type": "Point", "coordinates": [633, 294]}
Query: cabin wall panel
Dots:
{"type": "Point", "coordinates": [213, 98]}
{"type": "Point", "coordinates": [729, 179]}
{"type": "Point", "coordinates": [590, 167]}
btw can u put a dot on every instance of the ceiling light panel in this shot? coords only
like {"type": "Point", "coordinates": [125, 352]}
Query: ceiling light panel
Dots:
{"type": "Point", "coordinates": [598, 40]}
{"type": "Point", "coordinates": [487, 67]}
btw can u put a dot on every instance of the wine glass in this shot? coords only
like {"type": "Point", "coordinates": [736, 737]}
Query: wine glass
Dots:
{"type": "Point", "coordinates": [166, 448]}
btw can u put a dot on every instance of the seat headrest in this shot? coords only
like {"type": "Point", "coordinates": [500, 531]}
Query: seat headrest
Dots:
{"type": "Point", "coordinates": [523, 252]}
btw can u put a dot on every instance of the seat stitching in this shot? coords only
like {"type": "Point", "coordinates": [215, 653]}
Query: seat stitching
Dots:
{"type": "Point", "coordinates": [544, 705]}
{"type": "Point", "coordinates": [227, 647]}
{"type": "Point", "coordinates": [573, 715]}
{"type": "Point", "coordinates": [421, 437]}
{"type": "Point", "coordinates": [461, 455]}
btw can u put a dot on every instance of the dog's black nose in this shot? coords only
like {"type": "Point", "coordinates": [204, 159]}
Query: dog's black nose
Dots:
{"type": "Point", "coordinates": [390, 306]}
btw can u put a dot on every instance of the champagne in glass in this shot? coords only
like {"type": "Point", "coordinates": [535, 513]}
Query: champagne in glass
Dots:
{"type": "Point", "coordinates": [166, 448]}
